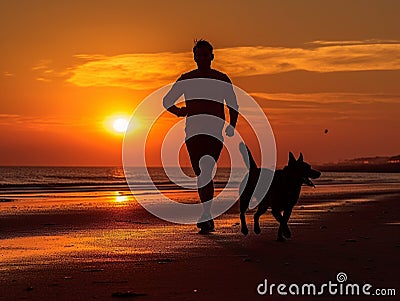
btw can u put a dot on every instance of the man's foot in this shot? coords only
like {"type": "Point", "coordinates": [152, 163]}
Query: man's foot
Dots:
{"type": "Point", "coordinates": [206, 226]}
{"type": "Point", "coordinates": [211, 221]}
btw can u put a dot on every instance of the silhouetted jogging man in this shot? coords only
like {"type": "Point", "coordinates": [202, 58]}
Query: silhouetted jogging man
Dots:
{"type": "Point", "coordinates": [204, 100]}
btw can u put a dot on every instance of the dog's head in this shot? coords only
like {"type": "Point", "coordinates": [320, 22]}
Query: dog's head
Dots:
{"type": "Point", "coordinates": [302, 169]}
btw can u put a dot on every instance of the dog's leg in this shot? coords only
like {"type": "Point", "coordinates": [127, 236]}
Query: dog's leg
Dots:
{"type": "Point", "coordinates": [244, 204]}
{"type": "Point", "coordinates": [244, 228]}
{"type": "Point", "coordinates": [285, 228]}
{"type": "Point", "coordinates": [279, 218]}
{"type": "Point", "coordinates": [262, 208]}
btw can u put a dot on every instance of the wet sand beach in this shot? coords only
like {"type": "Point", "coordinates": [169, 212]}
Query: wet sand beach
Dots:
{"type": "Point", "coordinates": [109, 251]}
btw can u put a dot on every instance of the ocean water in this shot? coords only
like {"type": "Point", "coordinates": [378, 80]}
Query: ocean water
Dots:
{"type": "Point", "coordinates": [42, 177]}
{"type": "Point", "coordinates": [79, 178]}
{"type": "Point", "coordinates": [19, 183]}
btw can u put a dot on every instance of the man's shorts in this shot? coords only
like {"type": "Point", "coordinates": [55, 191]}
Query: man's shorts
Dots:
{"type": "Point", "coordinates": [202, 145]}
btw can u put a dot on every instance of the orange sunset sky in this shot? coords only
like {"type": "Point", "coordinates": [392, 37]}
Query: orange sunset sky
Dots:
{"type": "Point", "coordinates": [69, 68]}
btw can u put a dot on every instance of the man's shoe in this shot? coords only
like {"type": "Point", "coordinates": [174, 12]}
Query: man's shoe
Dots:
{"type": "Point", "coordinates": [206, 226]}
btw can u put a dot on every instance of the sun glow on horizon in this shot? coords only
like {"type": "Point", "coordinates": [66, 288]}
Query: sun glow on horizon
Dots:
{"type": "Point", "coordinates": [120, 125]}
{"type": "Point", "coordinates": [119, 198]}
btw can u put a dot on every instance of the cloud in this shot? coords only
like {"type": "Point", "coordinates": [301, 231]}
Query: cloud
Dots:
{"type": "Point", "coordinates": [354, 42]}
{"type": "Point", "coordinates": [143, 71]}
{"type": "Point", "coordinates": [134, 71]}
{"type": "Point", "coordinates": [7, 116]}
{"type": "Point", "coordinates": [318, 108]}
{"type": "Point", "coordinates": [8, 74]}
{"type": "Point", "coordinates": [44, 123]}
{"type": "Point", "coordinates": [42, 65]}
{"type": "Point", "coordinates": [328, 98]}
{"type": "Point", "coordinates": [46, 73]}
{"type": "Point", "coordinates": [247, 61]}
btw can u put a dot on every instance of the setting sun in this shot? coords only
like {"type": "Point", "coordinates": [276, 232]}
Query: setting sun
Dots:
{"type": "Point", "coordinates": [120, 125]}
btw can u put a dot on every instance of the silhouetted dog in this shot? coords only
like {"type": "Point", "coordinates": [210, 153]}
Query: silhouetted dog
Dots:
{"type": "Point", "coordinates": [283, 192]}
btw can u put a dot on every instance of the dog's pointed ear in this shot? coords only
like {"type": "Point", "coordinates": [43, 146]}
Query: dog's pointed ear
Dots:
{"type": "Point", "coordinates": [300, 159]}
{"type": "Point", "coordinates": [292, 159]}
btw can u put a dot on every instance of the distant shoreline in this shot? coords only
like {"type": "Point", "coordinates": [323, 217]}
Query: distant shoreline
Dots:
{"type": "Point", "coordinates": [378, 168]}
{"type": "Point", "coordinates": [327, 167]}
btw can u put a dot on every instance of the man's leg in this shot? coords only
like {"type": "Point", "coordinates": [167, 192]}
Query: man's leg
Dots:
{"type": "Point", "coordinates": [206, 194]}
{"type": "Point", "coordinates": [205, 188]}
{"type": "Point", "coordinates": [204, 151]}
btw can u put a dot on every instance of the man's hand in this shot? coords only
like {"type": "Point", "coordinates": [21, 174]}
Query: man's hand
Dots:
{"type": "Point", "coordinates": [230, 131]}
{"type": "Point", "coordinates": [182, 112]}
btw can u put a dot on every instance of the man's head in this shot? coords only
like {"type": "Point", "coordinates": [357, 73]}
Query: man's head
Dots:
{"type": "Point", "coordinates": [203, 54]}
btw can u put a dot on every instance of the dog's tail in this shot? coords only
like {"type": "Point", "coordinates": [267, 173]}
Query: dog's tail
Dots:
{"type": "Point", "coordinates": [247, 157]}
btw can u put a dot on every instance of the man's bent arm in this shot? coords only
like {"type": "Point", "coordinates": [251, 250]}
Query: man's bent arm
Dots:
{"type": "Point", "coordinates": [176, 111]}
{"type": "Point", "coordinates": [170, 99]}
{"type": "Point", "coordinates": [233, 116]}
{"type": "Point", "coordinates": [233, 106]}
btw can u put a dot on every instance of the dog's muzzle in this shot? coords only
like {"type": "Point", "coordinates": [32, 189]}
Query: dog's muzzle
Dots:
{"type": "Point", "coordinates": [314, 174]}
{"type": "Point", "coordinates": [308, 182]}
